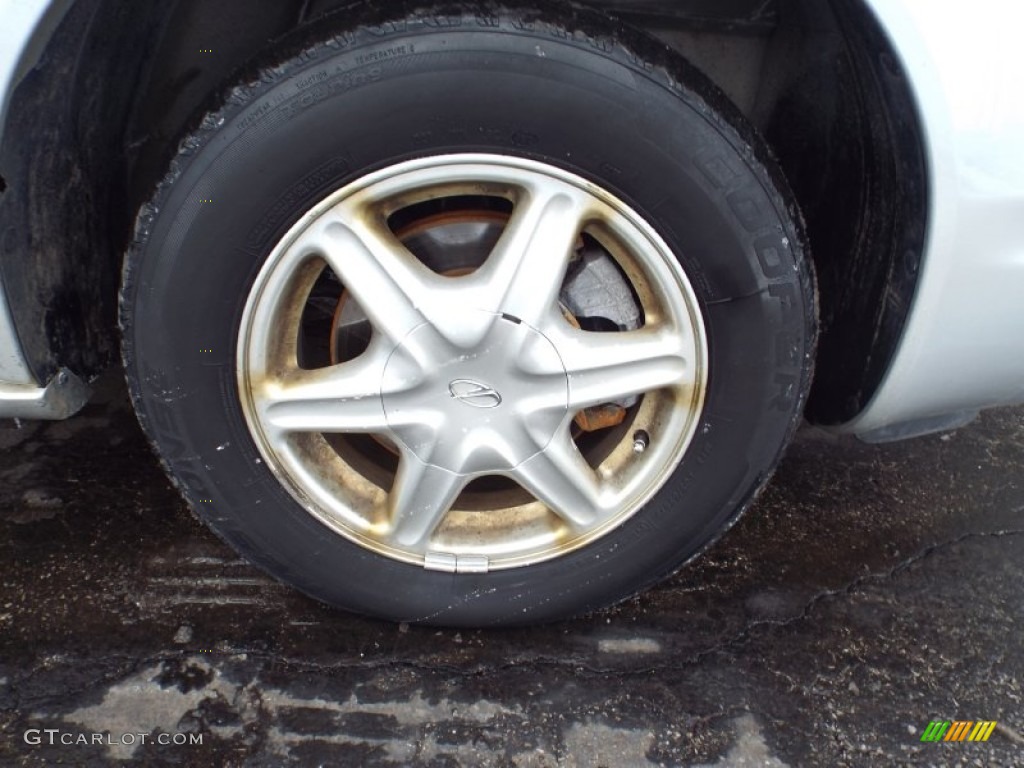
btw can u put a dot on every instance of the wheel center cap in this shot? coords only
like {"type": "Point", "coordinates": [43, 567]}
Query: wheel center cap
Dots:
{"type": "Point", "coordinates": [476, 410]}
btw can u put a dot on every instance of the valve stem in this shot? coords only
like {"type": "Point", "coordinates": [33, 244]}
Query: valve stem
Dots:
{"type": "Point", "coordinates": [640, 441]}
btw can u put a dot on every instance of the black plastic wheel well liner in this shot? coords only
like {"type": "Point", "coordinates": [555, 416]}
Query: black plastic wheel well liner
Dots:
{"type": "Point", "coordinates": [862, 181]}
{"type": "Point", "coordinates": [120, 83]}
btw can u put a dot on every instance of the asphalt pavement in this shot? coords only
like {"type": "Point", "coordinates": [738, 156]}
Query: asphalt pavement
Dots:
{"type": "Point", "coordinates": [870, 591]}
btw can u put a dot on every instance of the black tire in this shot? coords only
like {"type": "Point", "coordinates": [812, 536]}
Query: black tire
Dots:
{"type": "Point", "coordinates": [350, 97]}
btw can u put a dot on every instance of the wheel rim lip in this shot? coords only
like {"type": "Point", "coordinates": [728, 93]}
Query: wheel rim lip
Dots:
{"type": "Point", "coordinates": [314, 498]}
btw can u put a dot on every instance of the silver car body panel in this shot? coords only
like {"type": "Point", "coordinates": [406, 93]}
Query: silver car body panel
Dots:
{"type": "Point", "coordinates": [25, 26]}
{"type": "Point", "coordinates": [14, 370]}
{"type": "Point", "coordinates": [963, 346]}
{"type": "Point", "coordinates": [20, 19]}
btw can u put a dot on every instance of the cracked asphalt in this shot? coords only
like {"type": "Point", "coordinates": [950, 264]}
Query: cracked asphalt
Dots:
{"type": "Point", "coordinates": [870, 590]}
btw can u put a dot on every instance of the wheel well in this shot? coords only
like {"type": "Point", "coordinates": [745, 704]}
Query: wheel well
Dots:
{"type": "Point", "coordinates": [120, 82]}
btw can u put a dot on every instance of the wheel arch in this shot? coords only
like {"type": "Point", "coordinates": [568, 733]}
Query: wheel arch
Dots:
{"type": "Point", "coordinates": [117, 84]}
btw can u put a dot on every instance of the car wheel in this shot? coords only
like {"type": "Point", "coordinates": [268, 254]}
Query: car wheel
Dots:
{"type": "Point", "coordinates": [469, 319]}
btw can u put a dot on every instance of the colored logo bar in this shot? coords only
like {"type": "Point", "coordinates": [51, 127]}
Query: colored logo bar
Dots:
{"type": "Point", "coordinates": [958, 730]}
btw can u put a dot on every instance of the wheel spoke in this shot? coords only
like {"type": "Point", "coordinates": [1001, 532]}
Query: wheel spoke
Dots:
{"type": "Point", "coordinates": [561, 478]}
{"type": "Point", "coordinates": [341, 398]}
{"type": "Point", "coordinates": [420, 498]}
{"type": "Point", "coordinates": [390, 285]}
{"type": "Point", "coordinates": [396, 290]}
{"type": "Point", "coordinates": [604, 367]}
{"type": "Point", "coordinates": [525, 271]}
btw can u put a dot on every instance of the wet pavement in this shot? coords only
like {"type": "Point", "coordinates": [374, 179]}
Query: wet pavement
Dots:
{"type": "Point", "coordinates": [871, 589]}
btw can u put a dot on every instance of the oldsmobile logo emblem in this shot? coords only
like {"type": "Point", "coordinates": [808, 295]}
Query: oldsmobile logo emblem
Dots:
{"type": "Point", "coordinates": [474, 393]}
